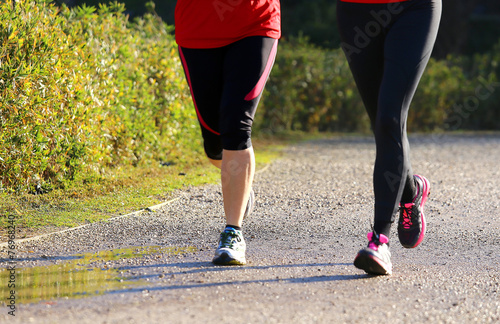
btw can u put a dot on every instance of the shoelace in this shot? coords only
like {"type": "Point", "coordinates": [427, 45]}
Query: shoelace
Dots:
{"type": "Point", "coordinates": [227, 239]}
{"type": "Point", "coordinates": [407, 213]}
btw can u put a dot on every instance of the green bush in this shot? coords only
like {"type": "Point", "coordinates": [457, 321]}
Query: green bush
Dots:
{"type": "Point", "coordinates": [441, 85]}
{"type": "Point", "coordinates": [478, 107]}
{"type": "Point", "coordinates": [82, 90]}
{"type": "Point", "coordinates": [138, 83]}
{"type": "Point", "coordinates": [43, 106]}
{"type": "Point", "coordinates": [461, 93]}
{"type": "Point", "coordinates": [310, 89]}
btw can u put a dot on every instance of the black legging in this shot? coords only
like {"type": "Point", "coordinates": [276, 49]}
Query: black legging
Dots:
{"type": "Point", "coordinates": [226, 85]}
{"type": "Point", "coordinates": [388, 47]}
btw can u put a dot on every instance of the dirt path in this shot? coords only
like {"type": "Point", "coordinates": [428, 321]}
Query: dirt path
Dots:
{"type": "Point", "coordinates": [314, 208]}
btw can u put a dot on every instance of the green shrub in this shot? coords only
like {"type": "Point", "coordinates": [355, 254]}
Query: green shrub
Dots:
{"type": "Point", "coordinates": [310, 89]}
{"type": "Point", "coordinates": [43, 106]}
{"type": "Point", "coordinates": [480, 106]}
{"type": "Point", "coordinates": [83, 90]}
{"type": "Point", "coordinates": [145, 110]}
{"type": "Point", "coordinates": [469, 89]}
{"type": "Point", "coordinates": [441, 85]}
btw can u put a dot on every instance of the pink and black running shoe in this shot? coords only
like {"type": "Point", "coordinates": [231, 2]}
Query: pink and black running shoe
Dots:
{"type": "Point", "coordinates": [375, 259]}
{"type": "Point", "coordinates": [411, 225]}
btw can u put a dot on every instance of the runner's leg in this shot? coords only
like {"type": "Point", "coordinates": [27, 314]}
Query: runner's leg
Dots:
{"type": "Point", "coordinates": [247, 66]}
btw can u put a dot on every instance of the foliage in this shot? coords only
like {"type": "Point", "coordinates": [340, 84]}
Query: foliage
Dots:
{"type": "Point", "coordinates": [441, 85]}
{"type": "Point", "coordinates": [43, 106]}
{"type": "Point", "coordinates": [310, 89]}
{"type": "Point", "coordinates": [478, 106]}
{"type": "Point", "coordinates": [142, 97]}
{"type": "Point", "coordinates": [83, 89]}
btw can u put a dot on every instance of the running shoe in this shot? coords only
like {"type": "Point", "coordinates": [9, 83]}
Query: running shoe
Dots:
{"type": "Point", "coordinates": [375, 259]}
{"type": "Point", "coordinates": [231, 250]}
{"type": "Point", "coordinates": [250, 204]}
{"type": "Point", "coordinates": [411, 225]}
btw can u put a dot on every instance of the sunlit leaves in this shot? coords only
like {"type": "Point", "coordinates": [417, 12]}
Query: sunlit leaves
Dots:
{"type": "Point", "coordinates": [76, 93]}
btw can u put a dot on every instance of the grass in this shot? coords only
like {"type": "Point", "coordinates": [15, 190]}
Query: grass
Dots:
{"type": "Point", "coordinates": [124, 191]}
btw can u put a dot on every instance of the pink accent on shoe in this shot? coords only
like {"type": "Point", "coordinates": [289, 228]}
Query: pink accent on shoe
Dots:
{"type": "Point", "coordinates": [407, 219]}
{"type": "Point", "coordinates": [263, 78]}
{"type": "Point", "coordinates": [425, 194]}
{"type": "Point", "coordinates": [382, 239]}
{"type": "Point", "coordinates": [202, 122]}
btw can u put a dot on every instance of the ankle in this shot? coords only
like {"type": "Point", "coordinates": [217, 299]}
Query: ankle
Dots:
{"type": "Point", "coordinates": [238, 228]}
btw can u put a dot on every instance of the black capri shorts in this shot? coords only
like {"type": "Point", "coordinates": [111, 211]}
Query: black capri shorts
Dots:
{"type": "Point", "coordinates": [226, 85]}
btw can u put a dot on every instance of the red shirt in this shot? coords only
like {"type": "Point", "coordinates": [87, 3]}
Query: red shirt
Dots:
{"type": "Point", "coordinates": [216, 23]}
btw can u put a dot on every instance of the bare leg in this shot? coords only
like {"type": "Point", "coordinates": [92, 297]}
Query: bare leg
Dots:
{"type": "Point", "coordinates": [237, 172]}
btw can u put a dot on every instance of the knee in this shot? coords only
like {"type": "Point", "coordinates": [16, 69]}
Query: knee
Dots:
{"type": "Point", "coordinates": [387, 122]}
{"type": "Point", "coordinates": [389, 125]}
{"type": "Point", "coordinates": [391, 115]}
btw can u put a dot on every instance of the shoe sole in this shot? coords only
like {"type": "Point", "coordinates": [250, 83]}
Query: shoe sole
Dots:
{"type": "Point", "coordinates": [372, 265]}
{"type": "Point", "coordinates": [225, 259]}
{"type": "Point", "coordinates": [425, 195]}
{"type": "Point", "coordinates": [250, 204]}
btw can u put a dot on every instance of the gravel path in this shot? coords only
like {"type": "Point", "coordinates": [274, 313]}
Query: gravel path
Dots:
{"type": "Point", "coordinates": [314, 208]}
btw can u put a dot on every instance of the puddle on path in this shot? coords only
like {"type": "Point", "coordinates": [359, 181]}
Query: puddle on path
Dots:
{"type": "Point", "coordinates": [76, 278]}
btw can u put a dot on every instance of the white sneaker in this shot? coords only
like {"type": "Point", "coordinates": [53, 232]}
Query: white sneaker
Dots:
{"type": "Point", "coordinates": [231, 250]}
{"type": "Point", "coordinates": [375, 259]}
